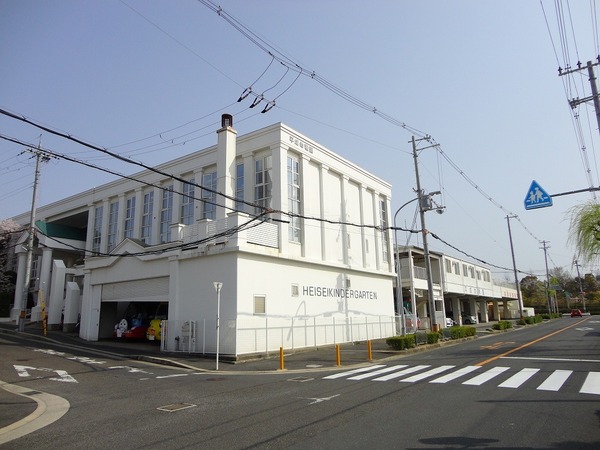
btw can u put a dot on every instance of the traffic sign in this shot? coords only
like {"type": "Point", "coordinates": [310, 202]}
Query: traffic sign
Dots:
{"type": "Point", "coordinates": [537, 197]}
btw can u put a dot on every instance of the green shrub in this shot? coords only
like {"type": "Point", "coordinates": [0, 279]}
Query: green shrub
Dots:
{"type": "Point", "coordinates": [502, 325]}
{"type": "Point", "coordinates": [433, 338]}
{"type": "Point", "coordinates": [401, 342]}
{"type": "Point", "coordinates": [459, 332]}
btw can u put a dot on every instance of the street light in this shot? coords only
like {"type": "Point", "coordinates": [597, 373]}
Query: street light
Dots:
{"type": "Point", "coordinates": [218, 285]}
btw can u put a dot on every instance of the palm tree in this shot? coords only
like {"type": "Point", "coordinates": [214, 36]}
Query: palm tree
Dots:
{"type": "Point", "coordinates": [584, 230]}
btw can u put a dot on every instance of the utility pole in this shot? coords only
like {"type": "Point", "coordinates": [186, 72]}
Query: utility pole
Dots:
{"type": "Point", "coordinates": [581, 293]}
{"type": "Point", "coordinates": [592, 78]}
{"type": "Point", "coordinates": [422, 209]}
{"type": "Point", "coordinates": [512, 251]}
{"type": "Point", "coordinates": [547, 276]}
{"type": "Point", "coordinates": [39, 158]}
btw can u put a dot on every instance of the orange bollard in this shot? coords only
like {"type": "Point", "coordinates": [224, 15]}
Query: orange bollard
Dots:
{"type": "Point", "coordinates": [338, 361]}
{"type": "Point", "coordinates": [369, 351]}
{"type": "Point", "coordinates": [281, 359]}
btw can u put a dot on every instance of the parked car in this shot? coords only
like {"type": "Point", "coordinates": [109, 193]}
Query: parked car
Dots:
{"type": "Point", "coordinates": [576, 313]}
{"type": "Point", "coordinates": [450, 322]}
{"type": "Point", "coordinates": [468, 319]}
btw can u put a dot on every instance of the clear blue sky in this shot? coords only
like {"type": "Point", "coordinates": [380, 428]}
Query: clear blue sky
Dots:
{"type": "Point", "coordinates": [479, 77]}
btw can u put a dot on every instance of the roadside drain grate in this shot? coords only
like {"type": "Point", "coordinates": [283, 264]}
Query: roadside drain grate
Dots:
{"type": "Point", "coordinates": [175, 407]}
{"type": "Point", "coordinates": [301, 379]}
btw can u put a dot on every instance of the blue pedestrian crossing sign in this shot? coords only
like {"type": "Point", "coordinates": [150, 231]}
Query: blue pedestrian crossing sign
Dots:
{"type": "Point", "coordinates": [537, 197]}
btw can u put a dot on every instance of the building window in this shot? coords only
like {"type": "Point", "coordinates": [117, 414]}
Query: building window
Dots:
{"type": "Point", "coordinates": [294, 205]}
{"type": "Point", "coordinates": [97, 237]}
{"type": "Point", "coordinates": [383, 223]}
{"type": "Point", "coordinates": [129, 217]}
{"type": "Point", "coordinates": [187, 203]}
{"type": "Point", "coordinates": [465, 270]}
{"type": "Point", "coordinates": [113, 217]}
{"type": "Point", "coordinates": [166, 214]}
{"type": "Point", "coordinates": [295, 290]}
{"type": "Point", "coordinates": [448, 266]}
{"type": "Point", "coordinates": [239, 187]}
{"type": "Point", "coordinates": [456, 268]}
{"type": "Point", "coordinates": [486, 276]}
{"type": "Point", "coordinates": [148, 207]}
{"type": "Point", "coordinates": [209, 195]}
{"type": "Point", "coordinates": [478, 273]}
{"type": "Point", "coordinates": [471, 272]}
{"type": "Point", "coordinates": [263, 183]}
{"type": "Point", "coordinates": [260, 304]}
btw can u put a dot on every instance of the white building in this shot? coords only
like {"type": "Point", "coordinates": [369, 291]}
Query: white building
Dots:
{"type": "Point", "coordinates": [460, 288]}
{"type": "Point", "coordinates": [292, 231]}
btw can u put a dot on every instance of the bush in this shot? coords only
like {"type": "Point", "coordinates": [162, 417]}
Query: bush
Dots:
{"type": "Point", "coordinates": [401, 342]}
{"type": "Point", "coordinates": [433, 338]}
{"type": "Point", "coordinates": [462, 331]}
{"type": "Point", "coordinates": [502, 325]}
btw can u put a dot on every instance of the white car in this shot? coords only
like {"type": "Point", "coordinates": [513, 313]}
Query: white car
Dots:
{"type": "Point", "coordinates": [469, 319]}
{"type": "Point", "coordinates": [450, 322]}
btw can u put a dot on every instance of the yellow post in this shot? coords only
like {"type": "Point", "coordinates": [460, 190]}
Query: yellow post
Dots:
{"type": "Point", "coordinates": [369, 350]}
{"type": "Point", "coordinates": [281, 359]}
{"type": "Point", "coordinates": [338, 361]}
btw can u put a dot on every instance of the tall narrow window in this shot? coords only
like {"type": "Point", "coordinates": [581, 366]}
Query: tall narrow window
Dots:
{"type": "Point", "coordinates": [97, 237]}
{"type": "Point", "coordinates": [209, 196]}
{"type": "Point", "coordinates": [383, 221]}
{"type": "Point", "coordinates": [148, 206]}
{"type": "Point", "coordinates": [166, 214]}
{"type": "Point", "coordinates": [113, 217]}
{"type": "Point", "coordinates": [129, 217]}
{"type": "Point", "coordinates": [263, 183]}
{"type": "Point", "coordinates": [294, 205]}
{"type": "Point", "coordinates": [239, 187]}
{"type": "Point", "coordinates": [187, 203]}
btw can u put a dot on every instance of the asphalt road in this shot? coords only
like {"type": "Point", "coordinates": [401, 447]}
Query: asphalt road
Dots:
{"type": "Point", "coordinates": [537, 387]}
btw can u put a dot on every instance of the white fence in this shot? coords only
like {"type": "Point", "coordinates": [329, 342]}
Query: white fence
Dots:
{"type": "Point", "coordinates": [265, 334]}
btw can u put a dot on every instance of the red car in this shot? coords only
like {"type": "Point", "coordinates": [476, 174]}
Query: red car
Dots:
{"type": "Point", "coordinates": [576, 313]}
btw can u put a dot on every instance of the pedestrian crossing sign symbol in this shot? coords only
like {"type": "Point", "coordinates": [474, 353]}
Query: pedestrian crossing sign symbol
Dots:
{"type": "Point", "coordinates": [537, 197]}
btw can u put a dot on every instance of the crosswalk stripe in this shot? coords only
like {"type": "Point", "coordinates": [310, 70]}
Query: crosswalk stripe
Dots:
{"type": "Point", "coordinates": [591, 385]}
{"type": "Point", "coordinates": [555, 381]}
{"type": "Point", "coordinates": [519, 378]}
{"type": "Point", "coordinates": [352, 372]}
{"type": "Point", "coordinates": [456, 374]}
{"type": "Point", "coordinates": [391, 376]}
{"type": "Point", "coordinates": [429, 373]}
{"type": "Point", "coordinates": [486, 376]}
{"type": "Point", "coordinates": [377, 372]}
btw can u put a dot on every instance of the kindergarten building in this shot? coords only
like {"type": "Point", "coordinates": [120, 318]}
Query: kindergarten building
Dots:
{"type": "Point", "coordinates": [272, 237]}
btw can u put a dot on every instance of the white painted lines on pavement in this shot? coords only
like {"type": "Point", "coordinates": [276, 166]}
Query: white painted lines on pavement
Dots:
{"type": "Point", "coordinates": [555, 381]}
{"type": "Point", "coordinates": [552, 382]}
{"type": "Point", "coordinates": [456, 374]}
{"type": "Point", "coordinates": [23, 371]}
{"type": "Point", "coordinates": [519, 378]}
{"type": "Point", "coordinates": [429, 373]}
{"type": "Point", "coordinates": [486, 376]}
{"type": "Point", "coordinates": [591, 385]}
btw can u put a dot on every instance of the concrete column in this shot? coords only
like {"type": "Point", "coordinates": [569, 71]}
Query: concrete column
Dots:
{"type": "Point", "coordinates": [139, 209]}
{"type": "Point", "coordinates": [505, 313]}
{"type": "Point", "coordinates": [72, 307]}
{"type": "Point", "coordinates": [176, 213]}
{"type": "Point", "coordinates": [89, 238]}
{"type": "Point", "coordinates": [473, 307]}
{"type": "Point", "coordinates": [344, 179]}
{"type": "Point", "coordinates": [55, 305]}
{"type": "Point", "coordinates": [156, 207]}
{"type": "Point", "coordinates": [322, 174]}
{"type": "Point", "coordinates": [456, 310]}
{"type": "Point", "coordinates": [20, 302]}
{"type": "Point", "coordinates": [496, 311]}
{"type": "Point", "coordinates": [377, 235]}
{"type": "Point", "coordinates": [362, 194]}
{"type": "Point", "coordinates": [483, 310]}
{"type": "Point", "coordinates": [279, 193]}
{"type": "Point", "coordinates": [304, 169]}
{"type": "Point", "coordinates": [104, 229]}
{"type": "Point", "coordinates": [44, 286]}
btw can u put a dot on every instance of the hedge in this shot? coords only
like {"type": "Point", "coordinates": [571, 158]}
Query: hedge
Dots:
{"type": "Point", "coordinates": [502, 325]}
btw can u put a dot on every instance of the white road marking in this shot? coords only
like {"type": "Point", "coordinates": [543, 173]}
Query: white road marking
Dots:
{"type": "Point", "coordinates": [519, 378]}
{"type": "Point", "coordinates": [401, 373]}
{"type": "Point", "coordinates": [427, 374]}
{"type": "Point", "coordinates": [486, 376]}
{"type": "Point", "coordinates": [319, 400]}
{"type": "Point", "coordinates": [377, 372]}
{"type": "Point", "coordinates": [130, 369]}
{"type": "Point", "coordinates": [23, 371]}
{"type": "Point", "coordinates": [555, 381]}
{"type": "Point", "coordinates": [352, 372]}
{"type": "Point", "coordinates": [591, 385]}
{"type": "Point", "coordinates": [456, 374]}
{"type": "Point", "coordinates": [551, 359]}
{"type": "Point", "coordinates": [173, 376]}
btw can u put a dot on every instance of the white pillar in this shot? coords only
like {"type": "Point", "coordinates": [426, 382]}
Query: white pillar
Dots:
{"type": "Point", "coordinates": [45, 272]}
{"type": "Point", "coordinates": [56, 301]}
{"type": "Point", "coordinates": [483, 311]}
{"type": "Point", "coordinates": [20, 302]}
{"type": "Point", "coordinates": [72, 306]}
{"type": "Point", "coordinates": [226, 155]}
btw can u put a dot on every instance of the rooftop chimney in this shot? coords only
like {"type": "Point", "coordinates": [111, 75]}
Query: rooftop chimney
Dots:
{"type": "Point", "coordinates": [226, 153]}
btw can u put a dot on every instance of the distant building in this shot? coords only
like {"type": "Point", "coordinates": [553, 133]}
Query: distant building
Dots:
{"type": "Point", "coordinates": [297, 235]}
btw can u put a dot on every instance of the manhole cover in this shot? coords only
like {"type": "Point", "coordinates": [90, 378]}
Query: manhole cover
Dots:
{"type": "Point", "coordinates": [175, 407]}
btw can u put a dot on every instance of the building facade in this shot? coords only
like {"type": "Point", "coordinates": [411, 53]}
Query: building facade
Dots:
{"type": "Point", "coordinates": [297, 236]}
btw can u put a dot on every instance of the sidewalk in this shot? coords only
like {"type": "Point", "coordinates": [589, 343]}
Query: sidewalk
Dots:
{"type": "Point", "coordinates": [324, 357]}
